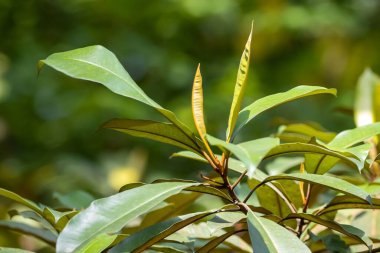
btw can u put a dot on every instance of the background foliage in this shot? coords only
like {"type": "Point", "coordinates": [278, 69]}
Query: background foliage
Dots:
{"type": "Point", "coordinates": [48, 125]}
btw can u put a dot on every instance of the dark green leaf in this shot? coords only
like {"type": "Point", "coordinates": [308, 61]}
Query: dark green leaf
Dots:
{"type": "Point", "coordinates": [348, 202]}
{"type": "Point", "coordinates": [158, 131]}
{"type": "Point", "coordinates": [15, 197]}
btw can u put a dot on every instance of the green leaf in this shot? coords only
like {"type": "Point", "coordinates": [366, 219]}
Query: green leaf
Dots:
{"type": "Point", "coordinates": [109, 215]}
{"type": "Point", "coordinates": [98, 244]}
{"type": "Point", "coordinates": [263, 104]}
{"type": "Point", "coordinates": [158, 131]}
{"type": "Point", "coordinates": [42, 234]}
{"type": "Point", "coordinates": [14, 250]}
{"type": "Point", "coordinates": [15, 197]}
{"type": "Point", "coordinates": [309, 148]}
{"type": "Point", "coordinates": [269, 237]}
{"type": "Point", "coordinates": [142, 240]}
{"type": "Point", "coordinates": [250, 153]}
{"type": "Point", "coordinates": [348, 202]}
{"type": "Point", "coordinates": [98, 64]}
{"type": "Point", "coordinates": [365, 110]}
{"type": "Point", "coordinates": [342, 228]}
{"type": "Point", "coordinates": [324, 180]}
{"type": "Point", "coordinates": [74, 199]}
{"type": "Point", "coordinates": [211, 245]}
{"type": "Point", "coordinates": [240, 86]}
{"type": "Point", "coordinates": [33, 216]}
{"type": "Point", "coordinates": [176, 205]}
{"type": "Point", "coordinates": [351, 137]}
{"type": "Point", "coordinates": [56, 218]}
{"type": "Point", "coordinates": [307, 131]}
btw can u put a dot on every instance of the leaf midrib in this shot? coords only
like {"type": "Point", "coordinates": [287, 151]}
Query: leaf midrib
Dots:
{"type": "Point", "coordinates": [98, 231]}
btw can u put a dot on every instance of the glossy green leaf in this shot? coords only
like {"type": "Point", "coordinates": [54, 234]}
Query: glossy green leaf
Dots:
{"type": "Point", "coordinates": [158, 131]}
{"type": "Point", "coordinates": [348, 202]}
{"type": "Point", "coordinates": [98, 244]}
{"type": "Point", "coordinates": [283, 164]}
{"type": "Point", "coordinates": [307, 131]}
{"type": "Point", "coordinates": [351, 137]}
{"type": "Point", "coordinates": [365, 110]}
{"type": "Point", "coordinates": [320, 164]}
{"type": "Point", "coordinates": [142, 240]}
{"type": "Point", "coordinates": [40, 233]}
{"type": "Point", "coordinates": [98, 64]}
{"type": "Point", "coordinates": [109, 215]}
{"type": "Point", "coordinates": [263, 104]}
{"type": "Point", "coordinates": [56, 218]}
{"type": "Point", "coordinates": [269, 237]}
{"type": "Point", "coordinates": [309, 148]}
{"type": "Point", "coordinates": [15, 197]}
{"type": "Point", "coordinates": [250, 153]}
{"type": "Point", "coordinates": [240, 86]}
{"type": "Point", "coordinates": [342, 228]}
{"type": "Point", "coordinates": [324, 180]}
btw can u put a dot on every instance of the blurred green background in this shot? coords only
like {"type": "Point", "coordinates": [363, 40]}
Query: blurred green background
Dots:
{"type": "Point", "coordinates": [50, 140]}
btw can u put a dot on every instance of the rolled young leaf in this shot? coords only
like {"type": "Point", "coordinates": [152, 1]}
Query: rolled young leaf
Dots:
{"type": "Point", "coordinates": [269, 237]}
{"type": "Point", "coordinates": [265, 103]}
{"type": "Point", "coordinates": [109, 215]}
{"type": "Point", "coordinates": [197, 109]}
{"type": "Point", "coordinates": [158, 131]}
{"type": "Point", "coordinates": [240, 86]}
{"type": "Point", "coordinates": [98, 64]}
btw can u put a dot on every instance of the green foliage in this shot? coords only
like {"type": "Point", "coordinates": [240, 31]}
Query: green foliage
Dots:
{"type": "Point", "coordinates": [284, 213]}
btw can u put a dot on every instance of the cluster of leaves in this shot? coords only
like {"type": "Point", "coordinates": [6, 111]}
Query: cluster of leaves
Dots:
{"type": "Point", "coordinates": [277, 211]}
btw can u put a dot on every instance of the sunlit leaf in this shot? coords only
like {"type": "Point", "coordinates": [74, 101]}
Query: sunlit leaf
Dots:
{"type": "Point", "coordinates": [158, 131]}
{"type": "Point", "coordinates": [109, 215]}
{"type": "Point", "coordinates": [348, 202]}
{"type": "Point", "coordinates": [98, 244]}
{"type": "Point", "coordinates": [265, 103]}
{"type": "Point", "coordinates": [307, 131]}
{"type": "Point", "coordinates": [269, 237]}
{"type": "Point", "coordinates": [324, 180]}
{"type": "Point", "coordinates": [351, 137]}
{"type": "Point", "coordinates": [197, 105]}
{"type": "Point", "coordinates": [98, 64]}
{"type": "Point", "coordinates": [240, 86]}
{"type": "Point", "coordinates": [364, 111]}
{"type": "Point", "coordinates": [309, 148]}
{"type": "Point", "coordinates": [15, 197]}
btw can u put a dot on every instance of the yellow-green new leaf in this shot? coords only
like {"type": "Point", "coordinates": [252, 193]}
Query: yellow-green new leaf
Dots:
{"type": "Point", "coordinates": [241, 81]}
{"type": "Point", "coordinates": [197, 104]}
